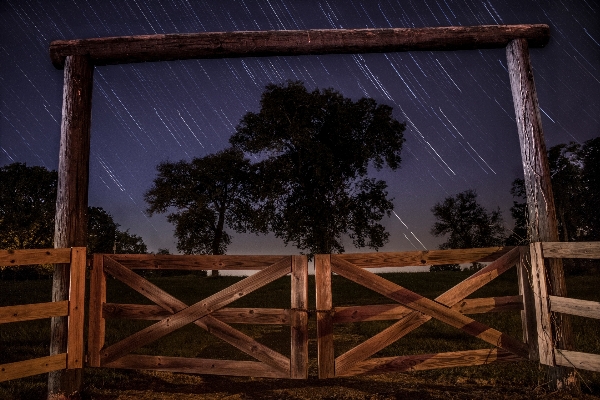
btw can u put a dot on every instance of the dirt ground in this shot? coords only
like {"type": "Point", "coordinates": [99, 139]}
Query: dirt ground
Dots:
{"type": "Point", "coordinates": [392, 386]}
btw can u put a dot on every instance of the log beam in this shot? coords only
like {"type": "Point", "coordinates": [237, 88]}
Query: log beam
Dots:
{"type": "Point", "coordinates": [70, 229]}
{"type": "Point", "coordinates": [130, 49]}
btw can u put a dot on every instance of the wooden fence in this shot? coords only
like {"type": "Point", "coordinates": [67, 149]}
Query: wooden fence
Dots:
{"type": "Point", "coordinates": [411, 310]}
{"type": "Point", "coordinates": [73, 309]}
{"type": "Point", "coordinates": [208, 314]}
{"type": "Point", "coordinates": [545, 304]}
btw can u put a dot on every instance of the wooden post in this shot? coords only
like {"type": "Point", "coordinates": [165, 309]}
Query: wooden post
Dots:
{"type": "Point", "coordinates": [540, 200]}
{"type": "Point", "coordinates": [299, 318]}
{"type": "Point", "coordinates": [324, 316]}
{"type": "Point", "coordinates": [70, 229]}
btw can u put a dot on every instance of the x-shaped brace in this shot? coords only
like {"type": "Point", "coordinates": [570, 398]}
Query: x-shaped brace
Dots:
{"type": "Point", "coordinates": [422, 309]}
{"type": "Point", "coordinates": [198, 313]}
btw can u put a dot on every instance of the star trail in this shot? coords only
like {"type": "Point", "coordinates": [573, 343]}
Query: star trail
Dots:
{"type": "Point", "coordinates": [461, 131]}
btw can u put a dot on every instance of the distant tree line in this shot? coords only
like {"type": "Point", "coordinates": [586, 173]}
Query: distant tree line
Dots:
{"type": "Point", "coordinates": [575, 177]}
{"type": "Point", "coordinates": [27, 209]}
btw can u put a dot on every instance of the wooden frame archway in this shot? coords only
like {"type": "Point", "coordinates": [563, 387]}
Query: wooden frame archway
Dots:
{"type": "Point", "coordinates": [78, 58]}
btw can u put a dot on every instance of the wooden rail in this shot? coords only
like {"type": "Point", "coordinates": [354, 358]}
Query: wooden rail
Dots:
{"type": "Point", "coordinates": [546, 304]}
{"type": "Point", "coordinates": [72, 308]}
{"type": "Point", "coordinates": [209, 314]}
{"type": "Point", "coordinates": [412, 310]}
{"type": "Point", "coordinates": [128, 49]}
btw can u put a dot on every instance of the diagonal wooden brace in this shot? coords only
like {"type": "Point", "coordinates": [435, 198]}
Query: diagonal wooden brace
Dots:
{"type": "Point", "coordinates": [431, 308]}
{"type": "Point", "coordinates": [184, 315]}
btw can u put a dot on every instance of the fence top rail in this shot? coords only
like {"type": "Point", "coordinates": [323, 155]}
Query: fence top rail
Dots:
{"type": "Point", "coordinates": [34, 256]}
{"type": "Point", "coordinates": [424, 258]}
{"type": "Point", "coordinates": [128, 49]}
{"type": "Point", "coordinates": [571, 249]}
{"type": "Point", "coordinates": [195, 262]}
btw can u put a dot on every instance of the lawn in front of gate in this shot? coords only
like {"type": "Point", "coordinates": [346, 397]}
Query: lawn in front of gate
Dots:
{"type": "Point", "coordinates": [20, 341]}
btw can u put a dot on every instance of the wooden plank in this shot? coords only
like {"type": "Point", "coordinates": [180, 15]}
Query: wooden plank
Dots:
{"type": "Point", "coordinates": [388, 312]}
{"type": "Point", "coordinates": [35, 366]}
{"type": "Point", "coordinates": [76, 308]}
{"type": "Point", "coordinates": [325, 356]}
{"type": "Point", "coordinates": [96, 329]}
{"type": "Point", "coordinates": [489, 304]}
{"type": "Point", "coordinates": [34, 256]}
{"type": "Point", "coordinates": [299, 318]}
{"type": "Point", "coordinates": [571, 249]}
{"type": "Point", "coordinates": [578, 360]}
{"type": "Point", "coordinates": [423, 362]}
{"type": "Point", "coordinates": [195, 262]}
{"type": "Point", "coordinates": [422, 304]}
{"type": "Point", "coordinates": [424, 258]}
{"type": "Point", "coordinates": [189, 314]}
{"type": "Point", "coordinates": [542, 309]}
{"type": "Point", "coordinates": [127, 49]}
{"type": "Point", "coordinates": [28, 312]}
{"type": "Point", "coordinates": [413, 319]}
{"type": "Point", "coordinates": [528, 318]}
{"type": "Point", "coordinates": [376, 312]}
{"type": "Point", "coordinates": [583, 308]}
{"type": "Point", "coordinates": [253, 316]}
{"type": "Point", "coordinates": [198, 366]}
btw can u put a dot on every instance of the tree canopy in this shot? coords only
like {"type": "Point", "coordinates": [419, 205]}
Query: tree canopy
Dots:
{"type": "Point", "coordinates": [468, 224]}
{"type": "Point", "coordinates": [575, 177]}
{"type": "Point", "coordinates": [314, 151]}
{"type": "Point", "coordinates": [202, 197]}
{"type": "Point", "coordinates": [28, 206]}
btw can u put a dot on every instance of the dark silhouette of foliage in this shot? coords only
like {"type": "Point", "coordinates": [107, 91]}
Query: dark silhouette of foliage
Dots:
{"type": "Point", "coordinates": [202, 197]}
{"type": "Point", "coordinates": [315, 149]}
{"type": "Point", "coordinates": [27, 209]}
{"type": "Point", "coordinates": [468, 224]}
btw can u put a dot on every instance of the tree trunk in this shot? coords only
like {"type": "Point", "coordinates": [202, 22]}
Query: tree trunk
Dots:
{"type": "Point", "coordinates": [70, 227]}
{"type": "Point", "coordinates": [540, 200]}
{"type": "Point", "coordinates": [218, 236]}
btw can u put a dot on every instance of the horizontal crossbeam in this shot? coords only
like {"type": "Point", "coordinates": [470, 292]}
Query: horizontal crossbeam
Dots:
{"type": "Point", "coordinates": [131, 49]}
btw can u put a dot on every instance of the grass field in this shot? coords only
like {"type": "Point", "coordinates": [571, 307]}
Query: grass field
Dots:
{"type": "Point", "coordinates": [19, 341]}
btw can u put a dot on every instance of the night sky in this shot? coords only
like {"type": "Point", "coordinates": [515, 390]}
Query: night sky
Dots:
{"type": "Point", "coordinates": [461, 131]}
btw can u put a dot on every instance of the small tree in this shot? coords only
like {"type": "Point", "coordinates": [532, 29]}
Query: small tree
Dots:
{"type": "Point", "coordinates": [468, 224]}
{"type": "Point", "coordinates": [202, 197]}
{"type": "Point", "coordinates": [315, 149]}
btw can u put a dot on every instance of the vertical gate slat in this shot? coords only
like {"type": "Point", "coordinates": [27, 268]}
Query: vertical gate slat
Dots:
{"type": "Point", "coordinates": [528, 313]}
{"type": "Point", "coordinates": [542, 308]}
{"type": "Point", "coordinates": [76, 308]}
{"type": "Point", "coordinates": [299, 318]}
{"type": "Point", "coordinates": [324, 316]}
{"type": "Point", "coordinates": [96, 319]}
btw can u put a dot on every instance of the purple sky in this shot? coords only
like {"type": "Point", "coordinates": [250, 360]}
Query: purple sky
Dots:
{"type": "Point", "coordinates": [461, 133]}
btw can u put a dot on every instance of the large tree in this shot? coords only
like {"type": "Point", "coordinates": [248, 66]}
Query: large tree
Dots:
{"type": "Point", "coordinates": [27, 206]}
{"type": "Point", "coordinates": [202, 197]}
{"type": "Point", "coordinates": [315, 149]}
{"type": "Point", "coordinates": [27, 209]}
{"type": "Point", "coordinates": [467, 223]}
{"type": "Point", "coordinates": [104, 235]}
{"type": "Point", "coordinates": [575, 175]}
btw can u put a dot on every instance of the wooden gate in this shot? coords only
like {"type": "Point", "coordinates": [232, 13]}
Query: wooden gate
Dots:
{"type": "Point", "coordinates": [412, 310]}
{"type": "Point", "coordinates": [208, 314]}
{"type": "Point", "coordinates": [546, 304]}
{"type": "Point", "coordinates": [72, 309]}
